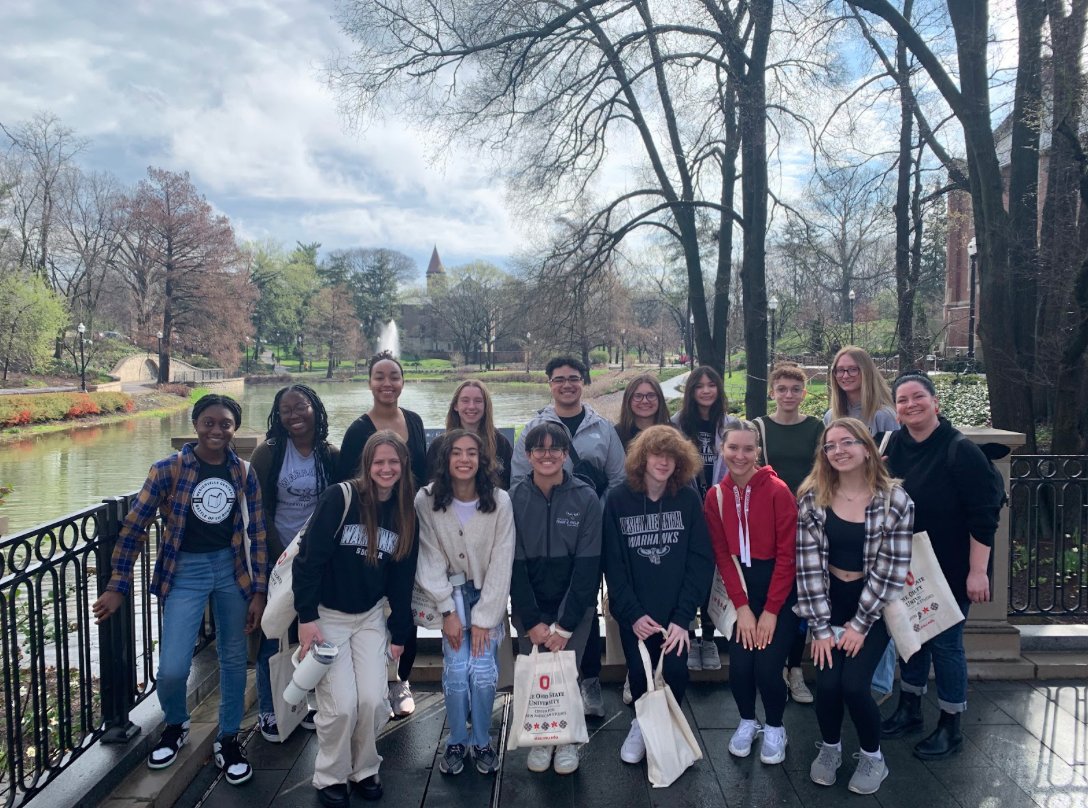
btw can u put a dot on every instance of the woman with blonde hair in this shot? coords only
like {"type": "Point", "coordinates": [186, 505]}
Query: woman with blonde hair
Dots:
{"type": "Point", "coordinates": [643, 406]}
{"type": "Point", "coordinates": [752, 517]}
{"type": "Point", "coordinates": [854, 530]}
{"type": "Point", "coordinates": [657, 561]}
{"type": "Point", "coordinates": [343, 576]}
{"type": "Point", "coordinates": [857, 390]}
{"type": "Point", "coordinates": [471, 409]}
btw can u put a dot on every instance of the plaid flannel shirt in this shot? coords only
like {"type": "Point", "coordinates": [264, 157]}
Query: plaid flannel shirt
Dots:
{"type": "Point", "coordinates": [886, 560]}
{"type": "Point", "coordinates": [156, 488]}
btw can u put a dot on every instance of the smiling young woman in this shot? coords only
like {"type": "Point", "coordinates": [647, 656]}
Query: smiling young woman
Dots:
{"type": "Point", "coordinates": [471, 409]}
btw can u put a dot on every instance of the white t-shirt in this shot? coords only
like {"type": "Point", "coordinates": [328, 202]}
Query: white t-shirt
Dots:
{"type": "Point", "coordinates": [296, 492]}
{"type": "Point", "coordinates": [464, 510]}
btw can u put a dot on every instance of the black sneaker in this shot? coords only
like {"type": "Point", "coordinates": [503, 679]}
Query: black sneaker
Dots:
{"type": "Point", "coordinates": [308, 721]}
{"type": "Point", "coordinates": [165, 752]}
{"type": "Point", "coordinates": [453, 761]}
{"type": "Point", "coordinates": [487, 759]}
{"type": "Point", "coordinates": [231, 758]}
{"type": "Point", "coordinates": [270, 730]}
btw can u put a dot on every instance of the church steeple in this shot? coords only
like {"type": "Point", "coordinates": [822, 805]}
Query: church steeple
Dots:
{"type": "Point", "coordinates": [436, 273]}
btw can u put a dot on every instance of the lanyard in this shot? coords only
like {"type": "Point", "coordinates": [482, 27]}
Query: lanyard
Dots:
{"type": "Point", "coordinates": [742, 525]}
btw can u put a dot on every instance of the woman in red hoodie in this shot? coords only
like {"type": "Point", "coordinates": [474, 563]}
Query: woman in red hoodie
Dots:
{"type": "Point", "coordinates": [752, 518]}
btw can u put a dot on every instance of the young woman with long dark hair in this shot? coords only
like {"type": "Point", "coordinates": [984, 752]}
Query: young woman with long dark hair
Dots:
{"type": "Point", "coordinates": [212, 546]}
{"type": "Point", "coordinates": [643, 406]}
{"type": "Point", "coordinates": [294, 464]}
{"type": "Point", "coordinates": [471, 409]}
{"type": "Point", "coordinates": [343, 577]}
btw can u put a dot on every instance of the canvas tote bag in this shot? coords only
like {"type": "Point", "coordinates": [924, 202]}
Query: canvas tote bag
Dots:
{"type": "Point", "coordinates": [722, 611]}
{"type": "Point", "coordinates": [280, 670]}
{"type": "Point", "coordinates": [548, 708]}
{"type": "Point", "coordinates": [926, 606]}
{"type": "Point", "coordinates": [670, 744]}
{"type": "Point", "coordinates": [279, 610]}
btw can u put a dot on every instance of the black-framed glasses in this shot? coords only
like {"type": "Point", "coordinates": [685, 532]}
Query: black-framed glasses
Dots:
{"type": "Point", "coordinates": [565, 380]}
{"type": "Point", "coordinates": [846, 443]}
{"type": "Point", "coordinates": [299, 409]}
{"type": "Point", "coordinates": [848, 372]}
{"type": "Point", "coordinates": [644, 397]}
{"type": "Point", "coordinates": [547, 451]}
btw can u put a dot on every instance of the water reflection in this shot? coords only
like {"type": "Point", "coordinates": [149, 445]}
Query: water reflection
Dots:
{"type": "Point", "coordinates": [56, 474]}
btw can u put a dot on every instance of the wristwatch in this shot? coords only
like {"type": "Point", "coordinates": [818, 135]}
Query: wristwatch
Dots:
{"type": "Point", "coordinates": [447, 613]}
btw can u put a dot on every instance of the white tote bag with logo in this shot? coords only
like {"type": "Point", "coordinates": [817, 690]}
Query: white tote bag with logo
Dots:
{"type": "Point", "coordinates": [548, 708]}
{"type": "Point", "coordinates": [722, 611]}
{"type": "Point", "coordinates": [926, 606]}
{"type": "Point", "coordinates": [671, 747]}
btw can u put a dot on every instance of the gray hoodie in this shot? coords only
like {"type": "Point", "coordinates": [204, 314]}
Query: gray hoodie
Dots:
{"type": "Point", "coordinates": [596, 442]}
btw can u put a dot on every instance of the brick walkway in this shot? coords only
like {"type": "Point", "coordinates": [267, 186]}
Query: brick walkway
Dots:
{"type": "Point", "coordinates": [1025, 746]}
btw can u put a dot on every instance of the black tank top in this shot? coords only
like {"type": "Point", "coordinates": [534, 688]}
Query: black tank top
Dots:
{"type": "Point", "coordinates": [845, 543]}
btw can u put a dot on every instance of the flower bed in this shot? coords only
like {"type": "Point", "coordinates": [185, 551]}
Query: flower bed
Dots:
{"type": "Point", "coordinates": [45, 407]}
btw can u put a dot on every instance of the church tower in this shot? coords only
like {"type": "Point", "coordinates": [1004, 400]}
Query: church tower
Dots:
{"type": "Point", "coordinates": [436, 274]}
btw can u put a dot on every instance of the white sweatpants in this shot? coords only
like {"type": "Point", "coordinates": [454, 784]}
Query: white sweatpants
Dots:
{"type": "Point", "coordinates": [352, 699]}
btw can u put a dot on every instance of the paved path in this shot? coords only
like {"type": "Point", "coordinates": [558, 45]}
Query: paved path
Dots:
{"type": "Point", "coordinates": [1025, 747]}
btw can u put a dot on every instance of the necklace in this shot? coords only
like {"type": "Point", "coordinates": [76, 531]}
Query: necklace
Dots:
{"type": "Point", "coordinates": [849, 498]}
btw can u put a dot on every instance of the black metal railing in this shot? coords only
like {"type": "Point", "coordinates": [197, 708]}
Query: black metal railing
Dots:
{"type": "Point", "coordinates": [1048, 527]}
{"type": "Point", "coordinates": [68, 683]}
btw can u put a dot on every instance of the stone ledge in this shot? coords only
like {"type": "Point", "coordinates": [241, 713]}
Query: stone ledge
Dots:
{"type": "Point", "coordinates": [1059, 665]}
{"type": "Point", "coordinates": [1053, 638]}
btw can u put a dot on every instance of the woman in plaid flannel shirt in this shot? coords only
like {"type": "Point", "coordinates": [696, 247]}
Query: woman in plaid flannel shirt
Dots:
{"type": "Point", "coordinates": [854, 531]}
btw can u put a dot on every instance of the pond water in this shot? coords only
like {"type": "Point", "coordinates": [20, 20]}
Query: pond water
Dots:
{"type": "Point", "coordinates": [57, 474]}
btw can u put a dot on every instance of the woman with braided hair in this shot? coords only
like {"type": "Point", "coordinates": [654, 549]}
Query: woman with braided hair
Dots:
{"type": "Point", "coordinates": [294, 465]}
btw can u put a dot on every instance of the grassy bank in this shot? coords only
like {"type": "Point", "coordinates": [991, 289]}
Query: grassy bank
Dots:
{"type": "Point", "coordinates": [154, 405]}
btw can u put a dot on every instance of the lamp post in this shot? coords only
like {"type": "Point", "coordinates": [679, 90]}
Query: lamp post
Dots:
{"type": "Point", "coordinates": [298, 344]}
{"type": "Point", "coordinates": [528, 337]}
{"type": "Point", "coordinates": [691, 340]}
{"type": "Point", "coordinates": [82, 329]}
{"type": "Point", "coordinates": [972, 252]}
{"type": "Point", "coordinates": [158, 366]}
{"type": "Point", "coordinates": [772, 304]}
{"type": "Point", "coordinates": [851, 296]}
{"type": "Point", "coordinates": [247, 355]}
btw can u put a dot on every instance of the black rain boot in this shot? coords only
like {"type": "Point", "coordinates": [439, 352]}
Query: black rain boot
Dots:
{"type": "Point", "coordinates": [944, 741]}
{"type": "Point", "coordinates": [906, 718]}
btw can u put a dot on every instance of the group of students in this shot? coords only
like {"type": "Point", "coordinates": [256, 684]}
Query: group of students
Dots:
{"type": "Point", "coordinates": [656, 504]}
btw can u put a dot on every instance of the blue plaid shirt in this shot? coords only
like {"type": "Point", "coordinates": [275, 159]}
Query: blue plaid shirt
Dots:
{"type": "Point", "coordinates": [156, 489]}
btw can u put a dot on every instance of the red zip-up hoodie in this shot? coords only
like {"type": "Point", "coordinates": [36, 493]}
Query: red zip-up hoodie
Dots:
{"type": "Point", "coordinates": [772, 531]}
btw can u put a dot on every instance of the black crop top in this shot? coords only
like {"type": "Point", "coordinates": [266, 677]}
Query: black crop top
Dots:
{"type": "Point", "coordinates": [845, 543]}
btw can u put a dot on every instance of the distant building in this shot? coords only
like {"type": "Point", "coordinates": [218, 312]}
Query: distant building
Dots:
{"type": "Point", "coordinates": [421, 333]}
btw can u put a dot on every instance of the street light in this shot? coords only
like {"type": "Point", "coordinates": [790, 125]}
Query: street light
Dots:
{"type": "Point", "coordinates": [247, 354]}
{"type": "Point", "coordinates": [528, 337]}
{"type": "Point", "coordinates": [691, 340]}
{"type": "Point", "coordinates": [623, 348]}
{"type": "Point", "coordinates": [82, 361]}
{"type": "Point", "coordinates": [772, 304]}
{"type": "Point", "coordinates": [851, 296]}
{"type": "Point", "coordinates": [158, 367]}
{"type": "Point", "coordinates": [972, 252]}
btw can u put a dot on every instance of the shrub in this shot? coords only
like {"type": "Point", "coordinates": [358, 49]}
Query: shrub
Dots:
{"type": "Point", "coordinates": [37, 409]}
{"type": "Point", "coordinates": [598, 357]}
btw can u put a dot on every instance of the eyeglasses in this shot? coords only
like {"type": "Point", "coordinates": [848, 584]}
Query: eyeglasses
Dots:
{"type": "Point", "coordinates": [547, 451]}
{"type": "Point", "coordinates": [565, 380]}
{"type": "Point", "coordinates": [848, 372]}
{"type": "Point", "coordinates": [299, 409]}
{"type": "Point", "coordinates": [644, 397]}
{"type": "Point", "coordinates": [843, 444]}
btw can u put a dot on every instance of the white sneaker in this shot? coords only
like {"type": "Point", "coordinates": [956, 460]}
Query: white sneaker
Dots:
{"type": "Point", "coordinates": [773, 749]}
{"type": "Point", "coordinates": [566, 758]}
{"type": "Point", "coordinates": [400, 699]}
{"type": "Point", "coordinates": [740, 745]}
{"type": "Point", "coordinates": [634, 747]}
{"type": "Point", "coordinates": [795, 683]}
{"type": "Point", "coordinates": [695, 655]}
{"type": "Point", "coordinates": [627, 697]}
{"type": "Point", "coordinates": [540, 758]}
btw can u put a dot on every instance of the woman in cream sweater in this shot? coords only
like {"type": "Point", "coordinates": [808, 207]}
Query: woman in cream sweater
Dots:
{"type": "Point", "coordinates": [466, 534]}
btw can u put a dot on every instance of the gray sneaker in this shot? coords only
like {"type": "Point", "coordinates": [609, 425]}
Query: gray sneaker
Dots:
{"type": "Point", "coordinates": [824, 769]}
{"type": "Point", "coordinates": [695, 655]}
{"type": "Point", "coordinates": [869, 774]}
{"type": "Point", "coordinates": [592, 700]}
{"type": "Point", "coordinates": [711, 659]}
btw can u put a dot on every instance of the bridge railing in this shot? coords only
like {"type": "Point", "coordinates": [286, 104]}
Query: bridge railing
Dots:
{"type": "Point", "coordinates": [67, 682]}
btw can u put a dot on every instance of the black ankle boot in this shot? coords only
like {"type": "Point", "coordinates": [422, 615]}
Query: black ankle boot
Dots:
{"type": "Point", "coordinates": [944, 741]}
{"type": "Point", "coordinates": [906, 718]}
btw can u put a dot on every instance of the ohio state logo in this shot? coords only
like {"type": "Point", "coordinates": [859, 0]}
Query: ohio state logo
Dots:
{"type": "Point", "coordinates": [910, 578]}
{"type": "Point", "coordinates": [545, 682]}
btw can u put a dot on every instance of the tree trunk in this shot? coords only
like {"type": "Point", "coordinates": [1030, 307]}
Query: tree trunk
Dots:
{"type": "Point", "coordinates": [904, 325]}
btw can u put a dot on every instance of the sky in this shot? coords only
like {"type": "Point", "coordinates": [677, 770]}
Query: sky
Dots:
{"type": "Point", "coordinates": [233, 92]}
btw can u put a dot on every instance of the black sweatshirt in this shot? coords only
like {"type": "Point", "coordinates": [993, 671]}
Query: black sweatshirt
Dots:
{"type": "Point", "coordinates": [351, 449]}
{"type": "Point", "coordinates": [657, 556]}
{"type": "Point", "coordinates": [331, 567]}
{"type": "Point", "coordinates": [951, 503]}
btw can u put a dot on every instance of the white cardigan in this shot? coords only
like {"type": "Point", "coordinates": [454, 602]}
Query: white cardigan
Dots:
{"type": "Point", "coordinates": [483, 550]}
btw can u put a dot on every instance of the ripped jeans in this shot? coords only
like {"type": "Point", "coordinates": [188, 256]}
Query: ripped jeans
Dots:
{"type": "Point", "coordinates": [468, 683]}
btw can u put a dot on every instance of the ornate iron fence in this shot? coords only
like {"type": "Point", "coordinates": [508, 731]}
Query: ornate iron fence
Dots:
{"type": "Point", "coordinates": [68, 683]}
{"type": "Point", "coordinates": [1048, 502]}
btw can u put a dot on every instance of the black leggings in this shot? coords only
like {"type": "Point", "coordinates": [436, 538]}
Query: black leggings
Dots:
{"type": "Point", "coordinates": [847, 683]}
{"type": "Point", "coordinates": [408, 657]}
{"type": "Point", "coordinates": [798, 646]}
{"type": "Point", "coordinates": [674, 670]}
{"type": "Point", "coordinates": [750, 670]}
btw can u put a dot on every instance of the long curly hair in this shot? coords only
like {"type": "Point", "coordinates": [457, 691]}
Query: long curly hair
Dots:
{"type": "Point", "coordinates": [626, 427]}
{"type": "Point", "coordinates": [662, 440]}
{"type": "Point", "coordinates": [403, 496]}
{"type": "Point", "coordinates": [442, 485]}
{"type": "Point", "coordinates": [278, 436]}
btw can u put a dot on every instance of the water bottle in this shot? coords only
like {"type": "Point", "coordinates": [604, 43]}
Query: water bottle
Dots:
{"type": "Point", "coordinates": [309, 671]}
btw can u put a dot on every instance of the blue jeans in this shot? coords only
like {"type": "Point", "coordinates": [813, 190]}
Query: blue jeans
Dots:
{"type": "Point", "coordinates": [884, 676]}
{"type": "Point", "coordinates": [468, 684]}
{"type": "Point", "coordinates": [197, 577]}
{"type": "Point", "coordinates": [267, 650]}
{"type": "Point", "coordinates": [949, 660]}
